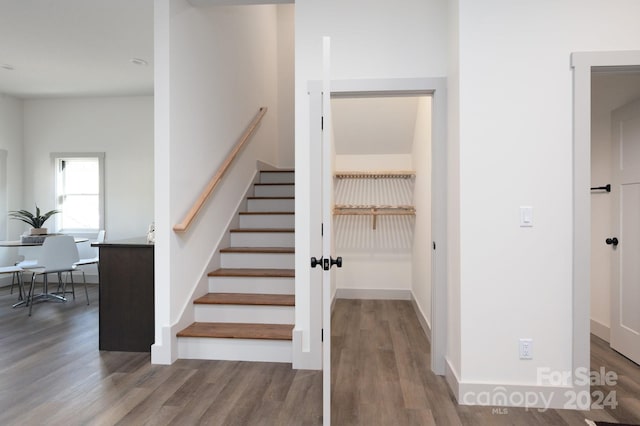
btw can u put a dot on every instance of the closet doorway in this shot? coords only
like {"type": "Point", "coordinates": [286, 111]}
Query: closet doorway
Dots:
{"type": "Point", "coordinates": [382, 213]}
{"type": "Point", "coordinates": [435, 90]}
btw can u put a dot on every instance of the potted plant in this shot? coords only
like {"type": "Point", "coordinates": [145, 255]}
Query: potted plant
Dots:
{"type": "Point", "coordinates": [35, 220]}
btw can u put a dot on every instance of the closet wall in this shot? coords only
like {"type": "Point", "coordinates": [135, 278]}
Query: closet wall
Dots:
{"type": "Point", "coordinates": [378, 135]}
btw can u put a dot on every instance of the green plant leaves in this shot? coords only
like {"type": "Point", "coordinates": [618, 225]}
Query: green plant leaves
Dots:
{"type": "Point", "coordinates": [36, 220]}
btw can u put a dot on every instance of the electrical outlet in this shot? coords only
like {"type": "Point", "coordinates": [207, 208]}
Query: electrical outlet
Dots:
{"type": "Point", "coordinates": [526, 348]}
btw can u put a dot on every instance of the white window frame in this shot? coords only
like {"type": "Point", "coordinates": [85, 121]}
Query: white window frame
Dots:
{"type": "Point", "coordinates": [55, 156]}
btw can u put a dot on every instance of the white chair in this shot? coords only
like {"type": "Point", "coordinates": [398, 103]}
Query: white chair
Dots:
{"type": "Point", "coordinates": [17, 275]}
{"type": "Point", "coordinates": [58, 254]}
{"type": "Point", "coordinates": [16, 271]}
{"type": "Point", "coordinates": [95, 260]}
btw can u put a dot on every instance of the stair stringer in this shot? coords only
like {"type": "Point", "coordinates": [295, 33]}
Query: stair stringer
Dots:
{"type": "Point", "coordinates": [200, 287]}
{"type": "Point", "coordinates": [238, 349]}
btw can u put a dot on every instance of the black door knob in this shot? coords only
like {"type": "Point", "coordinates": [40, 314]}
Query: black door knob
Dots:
{"type": "Point", "coordinates": [612, 241]}
{"type": "Point", "coordinates": [316, 262]}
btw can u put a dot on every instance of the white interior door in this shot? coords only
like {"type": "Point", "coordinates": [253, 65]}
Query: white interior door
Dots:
{"type": "Point", "coordinates": [625, 241]}
{"type": "Point", "coordinates": [327, 228]}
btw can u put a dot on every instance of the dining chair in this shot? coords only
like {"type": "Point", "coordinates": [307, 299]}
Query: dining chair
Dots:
{"type": "Point", "coordinates": [95, 260]}
{"type": "Point", "coordinates": [16, 272]}
{"type": "Point", "coordinates": [59, 254]}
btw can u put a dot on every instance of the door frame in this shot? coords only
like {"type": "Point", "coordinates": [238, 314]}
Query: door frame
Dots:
{"type": "Point", "coordinates": [582, 64]}
{"type": "Point", "coordinates": [435, 87]}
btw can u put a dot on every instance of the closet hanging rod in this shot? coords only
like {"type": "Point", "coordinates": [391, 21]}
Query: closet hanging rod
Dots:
{"type": "Point", "coordinates": [368, 209]}
{"type": "Point", "coordinates": [405, 174]}
{"type": "Point", "coordinates": [606, 188]}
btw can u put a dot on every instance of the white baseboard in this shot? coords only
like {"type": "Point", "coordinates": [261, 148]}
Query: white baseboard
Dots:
{"type": "Point", "coordinates": [421, 318]}
{"type": "Point", "coordinates": [373, 294]}
{"type": "Point", "coordinates": [600, 330]}
{"type": "Point", "coordinates": [451, 377]}
{"type": "Point", "coordinates": [502, 395]}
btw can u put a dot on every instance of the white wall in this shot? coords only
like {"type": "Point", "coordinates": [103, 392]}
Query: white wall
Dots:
{"type": "Point", "coordinates": [11, 135]}
{"type": "Point", "coordinates": [215, 66]}
{"type": "Point", "coordinates": [515, 128]}
{"type": "Point", "coordinates": [422, 250]}
{"type": "Point", "coordinates": [369, 40]}
{"type": "Point", "coordinates": [286, 66]}
{"type": "Point", "coordinates": [608, 92]}
{"type": "Point", "coordinates": [384, 134]}
{"type": "Point", "coordinates": [121, 127]}
{"type": "Point", "coordinates": [373, 259]}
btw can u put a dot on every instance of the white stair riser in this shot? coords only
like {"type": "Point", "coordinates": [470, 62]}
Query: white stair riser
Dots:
{"type": "Point", "coordinates": [262, 239]}
{"type": "Point", "coordinates": [245, 314]}
{"type": "Point", "coordinates": [257, 260]}
{"type": "Point", "coordinates": [267, 221]}
{"type": "Point", "coordinates": [253, 285]}
{"type": "Point", "coordinates": [277, 177]}
{"type": "Point", "coordinates": [274, 191]}
{"type": "Point", "coordinates": [258, 350]}
{"type": "Point", "coordinates": [271, 205]}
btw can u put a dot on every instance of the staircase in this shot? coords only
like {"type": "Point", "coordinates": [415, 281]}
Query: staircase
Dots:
{"type": "Point", "coordinates": [248, 314]}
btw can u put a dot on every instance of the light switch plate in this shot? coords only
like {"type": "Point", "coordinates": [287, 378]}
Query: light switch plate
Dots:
{"type": "Point", "coordinates": [526, 216]}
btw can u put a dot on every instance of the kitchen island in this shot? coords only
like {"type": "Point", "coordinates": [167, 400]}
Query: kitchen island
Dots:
{"type": "Point", "coordinates": [126, 277]}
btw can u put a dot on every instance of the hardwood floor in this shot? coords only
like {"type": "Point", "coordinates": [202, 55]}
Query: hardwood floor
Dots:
{"type": "Point", "coordinates": [51, 373]}
{"type": "Point", "coordinates": [381, 376]}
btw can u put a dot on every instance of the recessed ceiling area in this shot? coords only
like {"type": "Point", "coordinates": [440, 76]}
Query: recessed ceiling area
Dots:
{"type": "Point", "coordinates": [55, 48]}
{"type": "Point", "coordinates": [374, 125]}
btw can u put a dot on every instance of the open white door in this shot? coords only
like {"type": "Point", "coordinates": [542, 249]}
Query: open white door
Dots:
{"type": "Point", "coordinates": [625, 241]}
{"type": "Point", "coordinates": [327, 229]}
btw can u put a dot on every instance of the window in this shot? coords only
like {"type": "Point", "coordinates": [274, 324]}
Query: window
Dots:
{"type": "Point", "coordinates": [79, 191]}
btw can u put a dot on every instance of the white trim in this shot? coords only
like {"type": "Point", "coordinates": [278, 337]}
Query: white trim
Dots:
{"type": "Point", "coordinates": [373, 294]}
{"type": "Point", "coordinates": [436, 87]}
{"type": "Point", "coordinates": [422, 318]}
{"type": "Point", "coordinates": [600, 330]}
{"type": "Point", "coordinates": [101, 196]}
{"type": "Point", "coordinates": [510, 395]}
{"type": "Point", "coordinates": [583, 63]}
{"type": "Point", "coordinates": [451, 376]}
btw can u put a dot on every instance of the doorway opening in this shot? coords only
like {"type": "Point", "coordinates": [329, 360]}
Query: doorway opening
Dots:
{"type": "Point", "coordinates": [611, 89]}
{"type": "Point", "coordinates": [436, 89]}
{"type": "Point", "coordinates": [382, 197]}
{"type": "Point", "coordinates": [583, 64]}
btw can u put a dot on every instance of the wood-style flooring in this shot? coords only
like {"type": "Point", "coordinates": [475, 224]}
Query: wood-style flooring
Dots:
{"type": "Point", "coordinates": [51, 373]}
{"type": "Point", "coordinates": [381, 376]}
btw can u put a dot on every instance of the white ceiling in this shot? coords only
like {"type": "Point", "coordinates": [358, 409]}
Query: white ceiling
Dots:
{"type": "Point", "coordinates": [374, 125]}
{"type": "Point", "coordinates": [75, 47]}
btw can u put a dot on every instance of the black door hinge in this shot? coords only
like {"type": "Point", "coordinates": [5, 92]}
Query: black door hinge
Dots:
{"type": "Point", "coordinates": [322, 335]}
{"type": "Point", "coordinates": [322, 123]}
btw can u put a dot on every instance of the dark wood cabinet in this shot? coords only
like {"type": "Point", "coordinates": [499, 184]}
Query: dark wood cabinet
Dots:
{"type": "Point", "coordinates": [126, 295]}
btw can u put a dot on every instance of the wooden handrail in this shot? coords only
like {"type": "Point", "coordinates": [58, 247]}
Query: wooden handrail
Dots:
{"type": "Point", "coordinates": [215, 180]}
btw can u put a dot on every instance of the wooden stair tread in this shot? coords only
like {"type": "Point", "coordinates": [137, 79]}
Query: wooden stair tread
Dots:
{"type": "Point", "coordinates": [253, 272]}
{"type": "Point", "coordinates": [264, 213]}
{"type": "Point", "coordinates": [246, 299]}
{"type": "Point", "coordinates": [263, 230]}
{"type": "Point", "coordinates": [272, 250]}
{"type": "Point", "coordinates": [238, 331]}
